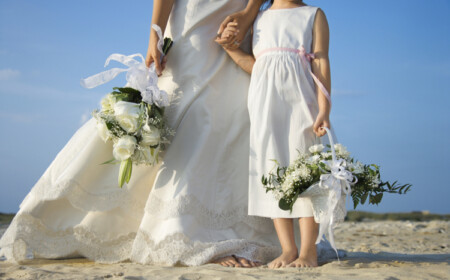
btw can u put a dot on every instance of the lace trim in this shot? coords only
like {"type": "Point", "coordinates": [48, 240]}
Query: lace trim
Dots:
{"type": "Point", "coordinates": [27, 233]}
{"type": "Point", "coordinates": [319, 199]}
{"type": "Point", "coordinates": [189, 204]}
{"type": "Point", "coordinates": [84, 200]}
{"type": "Point", "coordinates": [178, 248]}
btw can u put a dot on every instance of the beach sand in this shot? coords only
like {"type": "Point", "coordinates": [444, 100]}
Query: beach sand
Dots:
{"type": "Point", "coordinates": [375, 250]}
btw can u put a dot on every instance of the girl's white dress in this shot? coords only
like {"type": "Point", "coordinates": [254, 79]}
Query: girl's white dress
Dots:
{"type": "Point", "coordinates": [190, 209]}
{"type": "Point", "coordinates": [282, 103]}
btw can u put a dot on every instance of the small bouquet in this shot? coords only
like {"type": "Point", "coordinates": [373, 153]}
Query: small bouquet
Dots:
{"type": "Point", "coordinates": [132, 117]}
{"type": "Point", "coordinates": [288, 182]}
{"type": "Point", "coordinates": [332, 174]}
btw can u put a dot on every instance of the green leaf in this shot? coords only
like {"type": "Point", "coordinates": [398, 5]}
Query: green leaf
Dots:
{"type": "Point", "coordinates": [284, 204]}
{"type": "Point", "coordinates": [364, 197]}
{"type": "Point", "coordinates": [128, 90]}
{"type": "Point", "coordinates": [112, 161]}
{"type": "Point", "coordinates": [129, 169]}
{"type": "Point", "coordinates": [167, 45]}
{"type": "Point", "coordinates": [375, 199]}
{"type": "Point", "coordinates": [122, 172]}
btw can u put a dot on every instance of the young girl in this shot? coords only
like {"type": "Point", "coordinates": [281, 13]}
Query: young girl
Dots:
{"type": "Point", "coordinates": [288, 104]}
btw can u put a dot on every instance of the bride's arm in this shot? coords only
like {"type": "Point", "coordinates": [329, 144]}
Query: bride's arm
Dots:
{"type": "Point", "coordinates": [244, 20]}
{"type": "Point", "coordinates": [161, 12]}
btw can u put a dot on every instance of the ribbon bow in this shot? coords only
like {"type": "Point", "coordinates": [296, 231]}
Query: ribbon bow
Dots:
{"type": "Point", "coordinates": [337, 182]}
{"type": "Point", "coordinates": [138, 76]}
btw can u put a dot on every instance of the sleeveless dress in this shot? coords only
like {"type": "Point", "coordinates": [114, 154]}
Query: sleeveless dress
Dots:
{"type": "Point", "coordinates": [191, 208]}
{"type": "Point", "coordinates": [282, 103]}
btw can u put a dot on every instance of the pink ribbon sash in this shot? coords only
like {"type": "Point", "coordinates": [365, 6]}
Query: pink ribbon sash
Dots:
{"type": "Point", "coordinates": [305, 58]}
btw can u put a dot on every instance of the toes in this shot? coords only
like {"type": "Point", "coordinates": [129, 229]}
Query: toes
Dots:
{"type": "Point", "coordinates": [235, 262]}
{"type": "Point", "coordinates": [229, 264]}
{"type": "Point", "coordinates": [255, 264]}
{"type": "Point", "coordinates": [243, 262]}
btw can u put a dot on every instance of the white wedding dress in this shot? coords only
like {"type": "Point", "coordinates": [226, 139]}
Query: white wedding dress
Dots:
{"type": "Point", "coordinates": [190, 209]}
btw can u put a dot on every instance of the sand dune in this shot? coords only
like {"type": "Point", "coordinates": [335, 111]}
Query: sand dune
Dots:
{"type": "Point", "coordinates": [375, 250]}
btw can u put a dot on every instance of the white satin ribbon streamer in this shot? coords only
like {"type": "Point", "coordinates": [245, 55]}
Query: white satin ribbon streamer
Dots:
{"type": "Point", "coordinates": [337, 182]}
{"type": "Point", "coordinates": [138, 76]}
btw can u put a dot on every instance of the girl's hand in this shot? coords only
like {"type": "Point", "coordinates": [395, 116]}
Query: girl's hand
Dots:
{"type": "Point", "coordinates": [322, 120]}
{"type": "Point", "coordinates": [229, 32]}
{"type": "Point", "coordinates": [153, 54]}
{"type": "Point", "coordinates": [242, 22]}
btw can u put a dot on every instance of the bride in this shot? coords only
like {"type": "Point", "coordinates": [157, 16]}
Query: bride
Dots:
{"type": "Point", "coordinates": [192, 208]}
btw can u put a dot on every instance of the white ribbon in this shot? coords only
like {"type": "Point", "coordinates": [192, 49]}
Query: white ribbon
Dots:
{"type": "Point", "coordinates": [138, 76]}
{"type": "Point", "coordinates": [338, 181]}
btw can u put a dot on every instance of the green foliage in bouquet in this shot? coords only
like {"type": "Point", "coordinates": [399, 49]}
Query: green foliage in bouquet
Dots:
{"type": "Point", "coordinates": [370, 187]}
{"type": "Point", "coordinates": [288, 182]}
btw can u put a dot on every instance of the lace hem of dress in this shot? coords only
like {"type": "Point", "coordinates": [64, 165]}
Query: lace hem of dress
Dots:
{"type": "Point", "coordinates": [193, 253]}
{"type": "Point", "coordinates": [83, 199]}
{"type": "Point", "coordinates": [189, 204]}
{"type": "Point", "coordinates": [28, 237]}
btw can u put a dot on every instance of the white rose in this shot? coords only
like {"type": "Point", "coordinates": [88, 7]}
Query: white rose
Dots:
{"type": "Point", "coordinates": [127, 114]}
{"type": "Point", "coordinates": [316, 148]}
{"type": "Point", "coordinates": [108, 102]}
{"type": "Point", "coordinates": [124, 147]}
{"type": "Point", "coordinates": [150, 137]}
{"type": "Point", "coordinates": [103, 131]}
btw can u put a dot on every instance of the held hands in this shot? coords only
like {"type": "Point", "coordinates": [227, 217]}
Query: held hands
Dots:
{"type": "Point", "coordinates": [322, 120]}
{"type": "Point", "coordinates": [230, 32]}
{"type": "Point", "coordinates": [233, 29]}
{"type": "Point", "coordinates": [153, 54]}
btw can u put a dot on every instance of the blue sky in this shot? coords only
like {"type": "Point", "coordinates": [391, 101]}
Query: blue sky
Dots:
{"type": "Point", "coordinates": [390, 85]}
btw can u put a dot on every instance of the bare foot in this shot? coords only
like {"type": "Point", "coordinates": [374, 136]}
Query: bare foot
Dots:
{"type": "Point", "coordinates": [246, 263]}
{"type": "Point", "coordinates": [234, 261]}
{"type": "Point", "coordinates": [304, 262]}
{"type": "Point", "coordinates": [283, 260]}
{"type": "Point", "coordinates": [229, 261]}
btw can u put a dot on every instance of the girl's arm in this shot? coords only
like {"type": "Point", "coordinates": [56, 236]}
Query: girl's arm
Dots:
{"type": "Point", "coordinates": [241, 58]}
{"type": "Point", "coordinates": [321, 68]}
{"type": "Point", "coordinates": [161, 12]}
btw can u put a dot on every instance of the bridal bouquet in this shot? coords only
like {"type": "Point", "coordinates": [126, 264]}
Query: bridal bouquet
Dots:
{"type": "Point", "coordinates": [132, 117]}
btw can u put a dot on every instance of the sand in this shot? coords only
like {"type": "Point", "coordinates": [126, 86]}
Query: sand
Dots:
{"type": "Point", "coordinates": [375, 250]}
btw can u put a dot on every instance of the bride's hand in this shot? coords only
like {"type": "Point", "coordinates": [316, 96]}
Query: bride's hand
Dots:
{"type": "Point", "coordinates": [322, 120]}
{"type": "Point", "coordinates": [242, 23]}
{"type": "Point", "coordinates": [153, 54]}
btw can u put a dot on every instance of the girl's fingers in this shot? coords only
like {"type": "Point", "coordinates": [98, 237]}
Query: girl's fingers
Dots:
{"type": "Point", "coordinates": [224, 23]}
{"type": "Point", "coordinates": [231, 29]}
